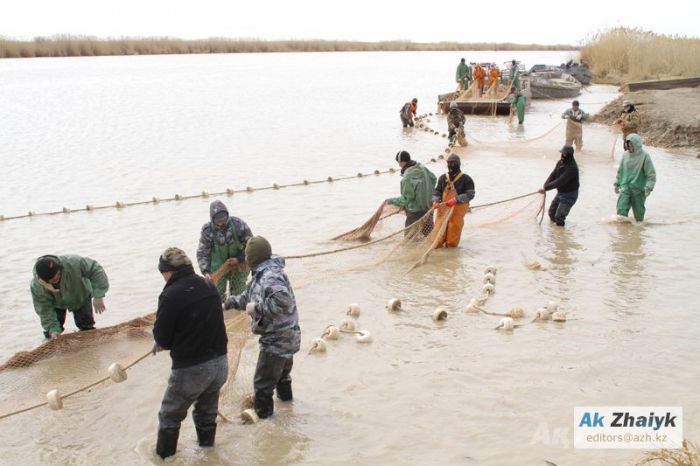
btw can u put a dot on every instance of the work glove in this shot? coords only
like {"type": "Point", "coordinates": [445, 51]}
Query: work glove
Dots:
{"type": "Point", "coordinates": [98, 304]}
{"type": "Point", "coordinates": [617, 190]}
{"type": "Point", "coordinates": [452, 202]}
{"type": "Point", "coordinates": [541, 190]}
{"type": "Point", "coordinates": [435, 204]}
{"type": "Point", "coordinates": [156, 348]}
{"type": "Point", "coordinates": [232, 261]}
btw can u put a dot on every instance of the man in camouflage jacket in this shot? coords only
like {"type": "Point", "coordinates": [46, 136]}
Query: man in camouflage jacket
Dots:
{"type": "Point", "coordinates": [223, 241]}
{"type": "Point", "coordinates": [270, 302]}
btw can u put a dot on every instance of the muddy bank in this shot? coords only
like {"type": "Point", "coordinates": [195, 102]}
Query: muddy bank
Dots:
{"type": "Point", "coordinates": [670, 118]}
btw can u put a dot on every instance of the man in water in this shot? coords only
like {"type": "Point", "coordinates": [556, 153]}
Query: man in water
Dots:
{"type": "Point", "coordinates": [564, 178]}
{"type": "Point", "coordinates": [407, 112]}
{"type": "Point", "coordinates": [68, 283]}
{"type": "Point", "coordinates": [454, 190]}
{"type": "Point", "coordinates": [222, 241]}
{"type": "Point", "coordinates": [189, 323]}
{"type": "Point", "coordinates": [417, 183]}
{"type": "Point", "coordinates": [574, 125]}
{"type": "Point", "coordinates": [629, 119]}
{"type": "Point", "coordinates": [636, 178]}
{"type": "Point", "coordinates": [455, 124]}
{"type": "Point", "coordinates": [271, 305]}
{"type": "Point", "coordinates": [463, 76]}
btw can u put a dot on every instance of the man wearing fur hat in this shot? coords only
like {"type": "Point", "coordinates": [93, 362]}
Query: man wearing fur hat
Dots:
{"type": "Point", "coordinates": [271, 305]}
{"type": "Point", "coordinates": [68, 283]}
{"type": "Point", "coordinates": [189, 323]}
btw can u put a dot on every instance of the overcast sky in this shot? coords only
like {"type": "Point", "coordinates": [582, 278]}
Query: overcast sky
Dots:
{"type": "Point", "coordinates": [544, 22]}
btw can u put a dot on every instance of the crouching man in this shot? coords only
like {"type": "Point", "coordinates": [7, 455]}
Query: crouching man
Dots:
{"type": "Point", "coordinates": [189, 323]}
{"type": "Point", "coordinates": [270, 302]}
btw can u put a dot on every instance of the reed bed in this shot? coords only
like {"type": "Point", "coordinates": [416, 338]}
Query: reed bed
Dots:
{"type": "Point", "coordinates": [78, 46]}
{"type": "Point", "coordinates": [623, 54]}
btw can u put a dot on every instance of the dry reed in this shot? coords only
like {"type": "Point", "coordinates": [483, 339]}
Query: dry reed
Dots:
{"type": "Point", "coordinates": [79, 46]}
{"type": "Point", "coordinates": [623, 54]}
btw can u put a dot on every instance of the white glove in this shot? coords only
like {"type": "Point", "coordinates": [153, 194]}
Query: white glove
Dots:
{"type": "Point", "coordinates": [98, 304]}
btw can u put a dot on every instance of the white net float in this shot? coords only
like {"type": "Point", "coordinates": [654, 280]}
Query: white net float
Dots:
{"type": "Point", "coordinates": [559, 316]}
{"type": "Point", "coordinates": [488, 289]}
{"type": "Point", "coordinates": [363, 336]}
{"type": "Point", "coordinates": [394, 305]}
{"type": "Point", "coordinates": [331, 333]}
{"type": "Point", "coordinates": [506, 323]}
{"type": "Point", "coordinates": [552, 306]}
{"type": "Point", "coordinates": [249, 416]}
{"type": "Point", "coordinates": [439, 314]}
{"type": "Point", "coordinates": [319, 346]}
{"type": "Point", "coordinates": [347, 325]}
{"type": "Point", "coordinates": [54, 400]}
{"type": "Point", "coordinates": [516, 313]}
{"type": "Point", "coordinates": [117, 373]}
{"type": "Point", "coordinates": [490, 278]}
{"type": "Point", "coordinates": [491, 269]}
{"type": "Point", "coordinates": [353, 310]}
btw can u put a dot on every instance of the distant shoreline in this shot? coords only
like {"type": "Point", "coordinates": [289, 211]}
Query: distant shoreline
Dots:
{"type": "Point", "coordinates": [71, 46]}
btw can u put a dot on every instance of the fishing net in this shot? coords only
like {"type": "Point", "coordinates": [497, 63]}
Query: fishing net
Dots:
{"type": "Point", "coordinates": [76, 362]}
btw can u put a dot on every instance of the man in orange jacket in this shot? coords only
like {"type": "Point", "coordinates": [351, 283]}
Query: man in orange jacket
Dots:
{"type": "Point", "coordinates": [479, 75]}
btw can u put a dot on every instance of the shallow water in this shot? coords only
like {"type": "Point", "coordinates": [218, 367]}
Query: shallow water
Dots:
{"type": "Point", "coordinates": [98, 130]}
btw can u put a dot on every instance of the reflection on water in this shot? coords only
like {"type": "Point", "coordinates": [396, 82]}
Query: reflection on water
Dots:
{"type": "Point", "coordinates": [628, 267]}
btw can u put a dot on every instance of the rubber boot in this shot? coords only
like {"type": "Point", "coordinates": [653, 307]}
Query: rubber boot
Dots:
{"type": "Point", "coordinates": [206, 436]}
{"type": "Point", "coordinates": [284, 390]}
{"type": "Point", "coordinates": [264, 406]}
{"type": "Point", "coordinates": [167, 442]}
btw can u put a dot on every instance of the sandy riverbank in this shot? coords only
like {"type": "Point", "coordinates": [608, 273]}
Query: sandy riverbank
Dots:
{"type": "Point", "coordinates": [670, 118]}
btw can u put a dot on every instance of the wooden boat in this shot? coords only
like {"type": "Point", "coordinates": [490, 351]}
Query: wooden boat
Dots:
{"type": "Point", "coordinates": [553, 85]}
{"type": "Point", "coordinates": [470, 103]}
{"type": "Point", "coordinates": [664, 84]}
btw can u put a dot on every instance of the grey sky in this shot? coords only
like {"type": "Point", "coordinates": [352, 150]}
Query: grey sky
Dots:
{"type": "Point", "coordinates": [545, 22]}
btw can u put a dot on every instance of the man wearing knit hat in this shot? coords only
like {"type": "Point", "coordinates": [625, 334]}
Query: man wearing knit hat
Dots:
{"type": "Point", "coordinates": [454, 190]}
{"type": "Point", "coordinates": [68, 283]}
{"type": "Point", "coordinates": [417, 183]}
{"type": "Point", "coordinates": [269, 300]}
{"type": "Point", "coordinates": [189, 323]}
{"type": "Point", "coordinates": [222, 242]}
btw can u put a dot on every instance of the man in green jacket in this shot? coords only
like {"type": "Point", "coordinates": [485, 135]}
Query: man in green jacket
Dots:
{"type": "Point", "coordinates": [72, 283]}
{"type": "Point", "coordinates": [463, 75]}
{"type": "Point", "coordinates": [417, 184]}
{"type": "Point", "coordinates": [635, 180]}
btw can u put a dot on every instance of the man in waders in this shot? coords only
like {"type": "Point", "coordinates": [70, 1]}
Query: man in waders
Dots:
{"type": "Point", "coordinates": [455, 125]}
{"type": "Point", "coordinates": [574, 117]}
{"type": "Point", "coordinates": [223, 241]}
{"type": "Point", "coordinates": [454, 190]}
{"type": "Point", "coordinates": [408, 112]}
{"type": "Point", "coordinates": [636, 178]}
{"type": "Point", "coordinates": [68, 283]}
{"type": "Point", "coordinates": [189, 323]}
{"type": "Point", "coordinates": [518, 106]}
{"type": "Point", "coordinates": [417, 183]}
{"type": "Point", "coordinates": [629, 119]}
{"type": "Point", "coordinates": [463, 75]}
{"type": "Point", "coordinates": [269, 301]}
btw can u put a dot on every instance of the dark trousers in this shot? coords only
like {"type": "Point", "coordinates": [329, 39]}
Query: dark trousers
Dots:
{"type": "Point", "coordinates": [413, 217]}
{"type": "Point", "coordinates": [406, 122]}
{"type": "Point", "coordinates": [561, 206]}
{"type": "Point", "coordinates": [272, 372]}
{"type": "Point", "coordinates": [199, 385]}
{"type": "Point", "coordinates": [83, 317]}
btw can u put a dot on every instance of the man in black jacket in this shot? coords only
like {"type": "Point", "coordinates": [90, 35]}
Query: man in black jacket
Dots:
{"type": "Point", "coordinates": [189, 323]}
{"type": "Point", "coordinates": [564, 178]}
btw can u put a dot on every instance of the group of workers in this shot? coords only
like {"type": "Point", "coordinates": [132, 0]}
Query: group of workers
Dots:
{"type": "Point", "coordinates": [466, 75]}
{"type": "Point", "coordinates": [190, 319]}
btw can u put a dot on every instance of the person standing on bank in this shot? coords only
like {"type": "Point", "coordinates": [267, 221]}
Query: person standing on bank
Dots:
{"type": "Point", "coordinates": [223, 241]}
{"type": "Point", "coordinates": [564, 178]}
{"type": "Point", "coordinates": [271, 305]}
{"type": "Point", "coordinates": [68, 283]}
{"type": "Point", "coordinates": [189, 323]}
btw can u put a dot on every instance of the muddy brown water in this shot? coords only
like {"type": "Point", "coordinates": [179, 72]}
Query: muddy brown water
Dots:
{"type": "Point", "coordinates": [98, 130]}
